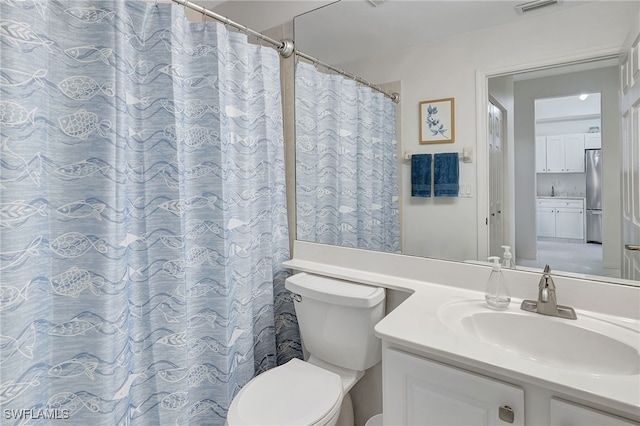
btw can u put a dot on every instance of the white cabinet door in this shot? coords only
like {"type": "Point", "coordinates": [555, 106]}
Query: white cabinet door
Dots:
{"type": "Point", "coordinates": [564, 413]}
{"type": "Point", "coordinates": [541, 154]}
{"type": "Point", "coordinates": [574, 153]}
{"type": "Point", "coordinates": [546, 222]}
{"type": "Point", "coordinates": [417, 391]}
{"type": "Point", "coordinates": [561, 153]}
{"type": "Point", "coordinates": [569, 223]}
{"type": "Point", "coordinates": [592, 141]}
{"type": "Point", "coordinates": [555, 154]}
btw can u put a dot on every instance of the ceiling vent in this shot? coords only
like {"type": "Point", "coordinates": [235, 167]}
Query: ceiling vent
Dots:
{"type": "Point", "coordinates": [534, 5]}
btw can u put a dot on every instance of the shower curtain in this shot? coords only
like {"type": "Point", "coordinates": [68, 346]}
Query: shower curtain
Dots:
{"type": "Point", "coordinates": [142, 215]}
{"type": "Point", "coordinates": [346, 163]}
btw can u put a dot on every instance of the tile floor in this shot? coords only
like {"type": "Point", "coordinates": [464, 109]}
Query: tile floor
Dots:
{"type": "Point", "coordinates": [568, 256]}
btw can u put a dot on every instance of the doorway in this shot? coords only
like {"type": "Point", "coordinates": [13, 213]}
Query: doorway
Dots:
{"type": "Point", "coordinates": [521, 183]}
{"type": "Point", "coordinates": [569, 190]}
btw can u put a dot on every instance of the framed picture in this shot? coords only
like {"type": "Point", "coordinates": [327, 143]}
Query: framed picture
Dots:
{"type": "Point", "coordinates": [437, 121]}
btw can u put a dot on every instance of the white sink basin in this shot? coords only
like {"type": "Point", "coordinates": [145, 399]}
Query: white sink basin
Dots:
{"type": "Point", "coordinates": [589, 344]}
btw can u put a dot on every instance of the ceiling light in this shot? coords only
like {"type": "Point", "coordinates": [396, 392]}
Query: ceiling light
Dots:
{"type": "Point", "coordinates": [583, 97]}
{"type": "Point", "coordinates": [536, 4]}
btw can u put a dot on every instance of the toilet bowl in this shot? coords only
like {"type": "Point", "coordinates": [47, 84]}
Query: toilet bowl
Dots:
{"type": "Point", "coordinates": [336, 321]}
{"type": "Point", "coordinates": [296, 393]}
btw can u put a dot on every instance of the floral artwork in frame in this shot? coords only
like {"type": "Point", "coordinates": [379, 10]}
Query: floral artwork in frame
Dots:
{"type": "Point", "coordinates": [437, 121]}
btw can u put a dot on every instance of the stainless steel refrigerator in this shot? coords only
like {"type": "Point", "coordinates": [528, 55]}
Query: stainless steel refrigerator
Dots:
{"type": "Point", "coordinates": [594, 195]}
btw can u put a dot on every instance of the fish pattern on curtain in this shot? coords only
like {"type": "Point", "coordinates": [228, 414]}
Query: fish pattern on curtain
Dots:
{"type": "Point", "coordinates": [142, 215]}
{"type": "Point", "coordinates": [346, 163]}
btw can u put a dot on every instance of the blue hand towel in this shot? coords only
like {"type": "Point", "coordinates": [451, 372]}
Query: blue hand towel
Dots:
{"type": "Point", "coordinates": [421, 175]}
{"type": "Point", "coordinates": [446, 174]}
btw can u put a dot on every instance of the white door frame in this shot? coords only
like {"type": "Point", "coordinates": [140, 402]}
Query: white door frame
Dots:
{"type": "Point", "coordinates": [482, 99]}
{"type": "Point", "coordinates": [630, 88]}
{"type": "Point", "coordinates": [505, 199]}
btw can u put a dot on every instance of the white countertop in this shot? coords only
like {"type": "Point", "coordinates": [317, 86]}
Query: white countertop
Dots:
{"type": "Point", "coordinates": [415, 324]}
{"type": "Point", "coordinates": [548, 197]}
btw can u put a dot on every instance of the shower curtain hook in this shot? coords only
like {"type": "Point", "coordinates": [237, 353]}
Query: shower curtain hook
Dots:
{"type": "Point", "coordinates": [204, 17]}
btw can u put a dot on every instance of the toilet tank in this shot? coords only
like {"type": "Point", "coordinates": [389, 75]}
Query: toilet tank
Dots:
{"type": "Point", "coordinates": [336, 319]}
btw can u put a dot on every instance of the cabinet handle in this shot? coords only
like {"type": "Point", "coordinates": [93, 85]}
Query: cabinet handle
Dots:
{"type": "Point", "coordinates": [505, 413]}
{"type": "Point", "coordinates": [631, 247]}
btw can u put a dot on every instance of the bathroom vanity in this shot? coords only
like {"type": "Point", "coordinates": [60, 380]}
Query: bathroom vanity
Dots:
{"type": "Point", "coordinates": [434, 393]}
{"type": "Point", "coordinates": [449, 359]}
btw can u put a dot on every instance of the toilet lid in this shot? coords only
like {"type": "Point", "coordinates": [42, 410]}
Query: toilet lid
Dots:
{"type": "Point", "coordinates": [296, 393]}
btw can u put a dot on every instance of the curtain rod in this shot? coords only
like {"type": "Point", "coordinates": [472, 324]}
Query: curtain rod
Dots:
{"type": "Point", "coordinates": [395, 97]}
{"type": "Point", "coordinates": [285, 47]}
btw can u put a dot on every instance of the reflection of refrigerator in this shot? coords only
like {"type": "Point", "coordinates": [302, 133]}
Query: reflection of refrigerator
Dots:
{"type": "Point", "coordinates": [594, 195]}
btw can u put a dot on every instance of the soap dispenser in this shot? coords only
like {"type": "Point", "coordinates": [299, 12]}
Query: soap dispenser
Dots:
{"type": "Point", "coordinates": [507, 258]}
{"type": "Point", "coordinates": [497, 295]}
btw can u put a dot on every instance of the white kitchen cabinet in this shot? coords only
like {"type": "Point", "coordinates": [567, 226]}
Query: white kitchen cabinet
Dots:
{"type": "Point", "coordinates": [546, 222]}
{"type": "Point", "coordinates": [593, 141]}
{"type": "Point", "coordinates": [574, 154]}
{"type": "Point", "coordinates": [418, 391]}
{"type": "Point", "coordinates": [565, 413]}
{"type": "Point", "coordinates": [569, 223]}
{"type": "Point", "coordinates": [560, 154]}
{"type": "Point", "coordinates": [560, 218]}
{"type": "Point", "coordinates": [555, 154]}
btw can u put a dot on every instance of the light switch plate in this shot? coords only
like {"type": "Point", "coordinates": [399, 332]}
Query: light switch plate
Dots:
{"type": "Point", "coordinates": [465, 190]}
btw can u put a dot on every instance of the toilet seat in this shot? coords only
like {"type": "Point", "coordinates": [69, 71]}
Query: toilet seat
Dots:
{"type": "Point", "coordinates": [296, 393]}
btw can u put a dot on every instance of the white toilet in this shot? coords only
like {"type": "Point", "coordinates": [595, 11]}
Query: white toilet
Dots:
{"type": "Point", "coordinates": [336, 321]}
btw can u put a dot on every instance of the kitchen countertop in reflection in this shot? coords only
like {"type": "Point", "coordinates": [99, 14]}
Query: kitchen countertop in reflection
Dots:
{"type": "Point", "coordinates": [559, 197]}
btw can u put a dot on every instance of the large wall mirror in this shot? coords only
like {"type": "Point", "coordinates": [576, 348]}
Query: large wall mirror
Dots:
{"type": "Point", "coordinates": [516, 80]}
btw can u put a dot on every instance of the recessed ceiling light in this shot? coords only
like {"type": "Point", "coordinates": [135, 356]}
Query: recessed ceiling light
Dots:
{"type": "Point", "coordinates": [583, 97]}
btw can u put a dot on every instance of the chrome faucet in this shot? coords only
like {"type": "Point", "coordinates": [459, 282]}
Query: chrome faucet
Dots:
{"type": "Point", "coordinates": [547, 303]}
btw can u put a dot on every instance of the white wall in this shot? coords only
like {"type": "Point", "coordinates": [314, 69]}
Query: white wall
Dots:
{"type": "Point", "coordinates": [447, 68]}
{"type": "Point", "coordinates": [564, 184]}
